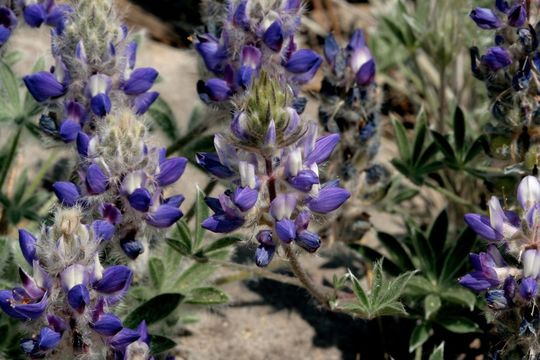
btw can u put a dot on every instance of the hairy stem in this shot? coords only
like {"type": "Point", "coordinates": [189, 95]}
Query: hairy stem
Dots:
{"type": "Point", "coordinates": [296, 267]}
{"type": "Point", "coordinates": [10, 156]}
{"type": "Point", "coordinates": [305, 279]}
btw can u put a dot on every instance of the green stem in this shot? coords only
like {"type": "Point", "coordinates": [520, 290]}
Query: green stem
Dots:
{"type": "Point", "coordinates": [305, 279]}
{"type": "Point", "coordinates": [296, 267]}
{"type": "Point", "coordinates": [11, 156]}
{"type": "Point", "coordinates": [453, 197]}
{"type": "Point", "coordinates": [39, 176]}
{"type": "Point", "coordinates": [191, 135]}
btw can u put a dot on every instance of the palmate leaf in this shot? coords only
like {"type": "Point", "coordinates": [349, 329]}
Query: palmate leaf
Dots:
{"type": "Point", "coordinates": [382, 299]}
{"type": "Point", "coordinates": [418, 162]}
{"type": "Point", "coordinates": [432, 304]}
{"type": "Point", "coordinates": [162, 114]}
{"type": "Point", "coordinates": [153, 310]}
{"type": "Point", "coordinates": [438, 353]}
{"type": "Point", "coordinates": [458, 324]}
{"type": "Point", "coordinates": [419, 336]}
{"type": "Point", "coordinates": [402, 140]}
{"type": "Point", "coordinates": [459, 129]}
{"type": "Point", "coordinates": [159, 344]}
{"type": "Point", "coordinates": [207, 296]}
{"type": "Point", "coordinates": [201, 213]}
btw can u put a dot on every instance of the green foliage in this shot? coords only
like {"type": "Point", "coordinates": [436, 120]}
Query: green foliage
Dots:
{"type": "Point", "coordinates": [153, 310]}
{"type": "Point", "coordinates": [18, 206]}
{"type": "Point", "coordinates": [162, 115]}
{"type": "Point", "coordinates": [436, 298]}
{"type": "Point", "coordinates": [460, 154]}
{"type": "Point", "coordinates": [438, 353]}
{"type": "Point", "coordinates": [14, 107]}
{"type": "Point", "coordinates": [419, 161]}
{"type": "Point", "coordinates": [381, 299]}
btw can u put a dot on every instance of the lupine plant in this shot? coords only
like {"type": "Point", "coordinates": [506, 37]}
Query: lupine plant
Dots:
{"type": "Point", "coordinates": [402, 170]}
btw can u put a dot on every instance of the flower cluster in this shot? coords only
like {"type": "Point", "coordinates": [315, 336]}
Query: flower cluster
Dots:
{"type": "Point", "coordinates": [123, 182]}
{"type": "Point", "coordinates": [508, 68]}
{"type": "Point", "coordinates": [255, 35]}
{"type": "Point", "coordinates": [350, 106]}
{"type": "Point", "coordinates": [94, 72]}
{"type": "Point", "coordinates": [35, 13]}
{"type": "Point", "coordinates": [96, 96]}
{"type": "Point", "coordinates": [507, 285]}
{"type": "Point", "coordinates": [271, 160]}
{"type": "Point", "coordinates": [66, 302]}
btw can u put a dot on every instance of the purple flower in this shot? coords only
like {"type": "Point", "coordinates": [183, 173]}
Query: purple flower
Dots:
{"type": "Point", "coordinates": [211, 163]}
{"type": "Point", "coordinates": [502, 5]}
{"type": "Point", "coordinates": [214, 90]}
{"type": "Point", "coordinates": [170, 170]}
{"type": "Point", "coordinates": [142, 102]}
{"type": "Point", "coordinates": [8, 22]}
{"type": "Point", "coordinates": [273, 36]}
{"type": "Point", "coordinates": [331, 49]}
{"type": "Point", "coordinates": [322, 150]}
{"type": "Point", "coordinates": [304, 180]}
{"type": "Point", "coordinates": [240, 17]}
{"type": "Point", "coordinates": [485, 18]}
{"type": "Point", "coordinates": [227, 214]}
{"type": "Point", "coordinates": [140, 199]}
{"type": "Point", "coordinates": [264, 255]}
{"type": "Point", "coordinates": [481, 225]}
{"type": "Point", "coordinates": [131, 246]}
{"type": "Point", "coordinates": [44, 85]}
{"type": "Point", "coordinates": [34, 14]}
{"type": "Point", "coordinates": [528, 192]}
{"type": "Point", "coordinates": [116, 278]}
{"type": "Point", "coordinates": [245, 198]}
{"type": "Point", "coordinates": [308, 241]}
{"type": "Point", "coordinates": [497, 58]}
{"type": "Point", "coordinates": [103, 230]}
{"type": "Point", "coordinates": [47, 340]}
{"type": "Point", "coordinates": [83, 141]}
{"type": "Point", "coordinates": [528, 288]}
{"type": "Point", "coordinates": [164, 216]}
{"type": "Point", "coordinates": [531, 263]}
{"type": "Point", "coordinates": [303, 64]}
{"type": "Point", "coordinates": [328, 199]}
{"type": "Point", "coordinates": [107, 325]}
{"type": "Point", "coordinates": [123, 338]}
{"type": "Point", "coordinates": [78, 298]}
{"type": "Point", "coordinates": [517, 16]}
{"type": "Point", "coordinates": [19, 305]}
{"type": "Point", "coordinates": [27, 243]}
{"type": "Point", "coordinates": [366, 74]}
{"type": "Point", "coordinates": [488, 269]}
{"type": "Point", "coordinates": [67, 192]}
{"type": "Point", "coordinates": [139, 81]}
{"type": "Point", "coordinates": [98, 88]}
{"type": "Point", "coordinates": [497, 300]}
{"type": "Point", "coordinates": [69, 130]}
{"type": "Point", "coordinates": [96, 181]}
{"type": "Point", "coordinates": [175, 200]}
{"type": "Point", "coordinates": [286, 230]}
{"type": "Point", "coordinates": [212, 53]}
